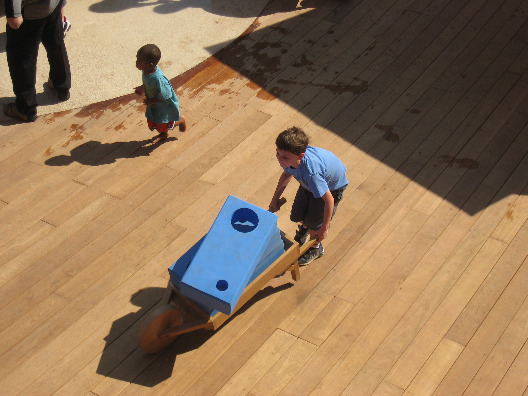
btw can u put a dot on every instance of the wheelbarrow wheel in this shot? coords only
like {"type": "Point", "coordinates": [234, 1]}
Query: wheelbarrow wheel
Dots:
{"type": "Point", "coordinates": [160, 319]}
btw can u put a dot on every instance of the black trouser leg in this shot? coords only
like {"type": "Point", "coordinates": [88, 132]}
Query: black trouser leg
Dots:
{"type": "Point", "coordinates": [22, 49]}
{"type": "Point", "coordinates": [53, 41]}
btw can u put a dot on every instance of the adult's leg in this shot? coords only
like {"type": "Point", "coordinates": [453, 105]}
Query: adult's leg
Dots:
{"type": "Point", "coordinates": [22, 49]}
{"type": "Point", "coordinates": [53, 41]}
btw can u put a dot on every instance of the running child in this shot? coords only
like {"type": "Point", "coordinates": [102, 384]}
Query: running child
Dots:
{"type": "Point", "coordinates": [163, 109]}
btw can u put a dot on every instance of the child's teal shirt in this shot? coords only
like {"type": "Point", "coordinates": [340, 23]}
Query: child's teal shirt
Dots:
{"type": "Point", "coordinates": [156, 85]}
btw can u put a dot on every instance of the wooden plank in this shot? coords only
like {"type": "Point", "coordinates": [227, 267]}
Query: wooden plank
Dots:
{"type": "Point", "coordinates": [257, 365]}
{"type": "Point", "coordinates": [105, 348]}
{"type": "Point", "coordinates": [16, 182]}
{"type": "Point", "coordinates": [515, 381]}
{"type": "Point", "coordinates": [139, 223]}
{"type": "Point", "coordinates": [369, 215]}
{"type": "Point", "coordinates": [306, 312]}
{"type": "Point", "coordinates": [61, 242]}
{"type": "Point", "coordinates": [469, 321]}
{"type": "Point", "coordinates": [77, 203]}
{"type": "Point", "coordinates": [24, 242]}
{"type": "Point", "coordinates": [502, 355]}
{"type": "Point", "coordinates": [486, 336]}
{"type": "Point", "coordinates": [76, 254]}
{"type": "Point", "coordinates": [325, 323]}
{"type": "Point", "coordinates": [38, 349]}
{"type": "Point", "coordinates": [381, 344]}
{"type": "Point", "coordinates": [362, 314]}
{"type": "Point", "coordinates": [387, 389]}
{"type": "Point", "coordinates": [236, 123]}
{"type": "Point", "coordinates": [75, 127]}
{"type": "Point", "coordinates": [450, 308]}
{"type": "Point", "coordinates": [374, 266]}
{"type": "Point", "coordinates": [24, 326]}
{"type": "Point", "coordinates": [283, 369]}
{"type": "Point", "coordinates": [457, 165]}
{"type": "Point", "coordinates": [435, 368]}
{"type": "Point", "coordinates": [82, 255]}
{"type": "Point", "coordinates": [513, 220]}
{"type": "Point", "coordinates": [22, 214]}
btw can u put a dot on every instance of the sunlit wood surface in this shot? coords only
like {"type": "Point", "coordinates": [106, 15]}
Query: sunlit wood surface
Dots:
{"type": "Point", "coordinates": [423, 288]}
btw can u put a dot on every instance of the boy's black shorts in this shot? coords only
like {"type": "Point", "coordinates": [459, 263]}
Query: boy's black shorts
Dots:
{"type": "Point", "coordinates": [310, 210]}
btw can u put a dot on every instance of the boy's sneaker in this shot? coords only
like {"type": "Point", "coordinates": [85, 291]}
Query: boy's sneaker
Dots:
{"type": "Point", "coordinates": [301, 235]}
{"type": "Point", "coordinates": [62, 96]}
{"type": "Point", "coordinates": [66, 25]}
{"type": "Point", "coordinates": [311, 254]}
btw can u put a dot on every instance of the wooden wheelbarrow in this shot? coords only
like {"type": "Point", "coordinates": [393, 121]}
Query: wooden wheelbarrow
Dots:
{"type": "Point", "coordinates": [178, 314]}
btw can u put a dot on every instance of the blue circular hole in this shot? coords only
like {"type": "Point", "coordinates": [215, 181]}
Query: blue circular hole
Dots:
{"type": "Point", "coordinates": [222, 285]}
{"type": "Point", "coordinates": [244, 220]}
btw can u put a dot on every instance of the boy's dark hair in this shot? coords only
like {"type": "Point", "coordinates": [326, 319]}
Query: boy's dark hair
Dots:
{"type": "Point", "coordinates": [151, 53]}
{"type": "Point", "coordinates": [293, 140]}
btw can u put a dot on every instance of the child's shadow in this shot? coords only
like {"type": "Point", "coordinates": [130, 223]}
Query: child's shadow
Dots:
{"type": "Point", "coordinates": [95, 153]}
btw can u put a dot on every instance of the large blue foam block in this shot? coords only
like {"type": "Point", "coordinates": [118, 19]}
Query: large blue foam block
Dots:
{"type": "Point", "coordinates": [179, 267]}
{"type": "Point", "coordinates": [242, 236]}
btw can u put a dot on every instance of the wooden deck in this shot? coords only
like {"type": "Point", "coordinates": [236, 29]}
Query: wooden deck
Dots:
{"type": "Point", "coordinates": [424, 285]}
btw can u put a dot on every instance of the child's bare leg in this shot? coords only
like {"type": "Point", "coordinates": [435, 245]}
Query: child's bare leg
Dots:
{"type": "Point", "coordinates": [182, 124]}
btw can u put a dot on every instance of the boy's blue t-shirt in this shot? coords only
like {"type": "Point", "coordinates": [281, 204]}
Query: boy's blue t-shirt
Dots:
{"type": "Point", "coordinates": [320, 170]}
{"type": "Point", "coordinates": [156, 85]}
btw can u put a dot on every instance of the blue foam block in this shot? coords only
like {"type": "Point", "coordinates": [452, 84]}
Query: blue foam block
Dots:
{"type": "Point", "coordinates": [229, 254]}
{"type": "Point", "coordinates": [178, 269]}
{"type": "Point", "coordinates": [274, 251]}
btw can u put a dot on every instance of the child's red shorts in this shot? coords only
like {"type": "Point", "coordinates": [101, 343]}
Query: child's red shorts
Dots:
{"type": "Point", "coordinates": [161, 128]}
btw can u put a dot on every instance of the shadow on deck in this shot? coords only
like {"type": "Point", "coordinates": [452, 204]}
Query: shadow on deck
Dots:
{"type": "Point", "coordinates": [438, 95]}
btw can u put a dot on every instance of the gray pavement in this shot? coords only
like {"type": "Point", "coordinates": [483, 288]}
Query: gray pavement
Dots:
{"type": "Point", "coordinates": [106, 35]}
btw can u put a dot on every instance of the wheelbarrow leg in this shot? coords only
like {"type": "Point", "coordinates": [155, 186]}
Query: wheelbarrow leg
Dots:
{"type": "Point", "coordinates": [295, 271]}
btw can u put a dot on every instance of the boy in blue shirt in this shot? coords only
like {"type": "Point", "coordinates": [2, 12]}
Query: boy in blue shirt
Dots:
{"type": "Point", "coordinates": [163, 109]}
{"type": "Point", "coordinates": [322, 178]}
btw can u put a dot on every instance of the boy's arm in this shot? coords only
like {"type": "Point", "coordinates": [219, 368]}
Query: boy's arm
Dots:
{"type": "Point", "coordinates": [322, 232]}
{"type": "Point", "coordinates": [281, 186]}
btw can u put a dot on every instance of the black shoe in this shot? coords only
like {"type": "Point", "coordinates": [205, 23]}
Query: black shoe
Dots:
{"type": "Point", "coordinates": [301, 235]}
{"type": "Point", "coordinates": [311, 254]}
{"type": "Point", "coordinates": [12, 111]}
{"type": "Point", "coordinates": [62, 96]}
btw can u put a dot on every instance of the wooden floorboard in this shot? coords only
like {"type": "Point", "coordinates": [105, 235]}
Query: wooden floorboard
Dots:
{"type": "Point", "coordinates": [423, 285]}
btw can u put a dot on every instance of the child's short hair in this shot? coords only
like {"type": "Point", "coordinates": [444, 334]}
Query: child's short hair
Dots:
{"type": "Point", "coordinates": [151, 53]}
{"type": "Point", "coordinates": [293, 140]}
